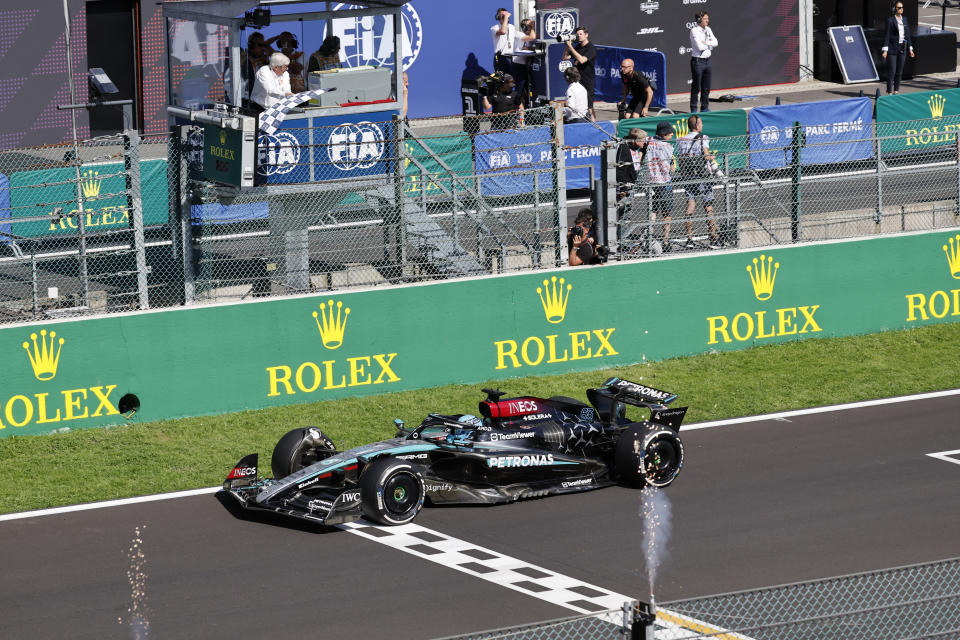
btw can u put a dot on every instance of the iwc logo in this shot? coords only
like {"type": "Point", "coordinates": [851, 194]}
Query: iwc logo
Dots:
{"type": "Point", "coordinates": [356, 146]}
{"type": "Point", "coordinates": [368, 40]}
{"type": "Point", "coordinates": [763, 323]}
{"type": "Point", "coordinates": [278, 153]}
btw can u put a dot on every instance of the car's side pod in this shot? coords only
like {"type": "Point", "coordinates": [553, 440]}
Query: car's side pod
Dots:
{"type": "Point", "coordinates": [243, 473]}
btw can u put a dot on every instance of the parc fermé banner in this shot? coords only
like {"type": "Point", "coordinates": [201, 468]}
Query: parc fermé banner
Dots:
{"type": "Point", "coordinates": [834, 130]}
{"type": "Point", "coordinates": [514, 161]}
{"type": "Point", "coordinates": [225, 358]}
{"type": "Point", "coordinates": [918, 120]}
{"type": "Point", "coordinates": [583, 143]}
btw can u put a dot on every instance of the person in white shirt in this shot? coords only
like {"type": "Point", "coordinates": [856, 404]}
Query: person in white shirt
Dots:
{"type": "Point", "coordinates": [702, 44]}
{"type": "Point", "coordinates": [577, 105]}
{"type": "Point", "coordinates": [896, 44]}
{"type": "Point", "coordinates": [272, 83]}
{"type": "Point", "coordinates": [504, 34]}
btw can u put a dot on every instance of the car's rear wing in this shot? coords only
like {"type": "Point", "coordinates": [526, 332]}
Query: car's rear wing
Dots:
{"type": "Point", "coordinates": [638, 395]}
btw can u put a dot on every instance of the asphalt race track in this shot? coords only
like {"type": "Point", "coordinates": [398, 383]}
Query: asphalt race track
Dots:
{"type": "Point", "coordinates": [758, 503]}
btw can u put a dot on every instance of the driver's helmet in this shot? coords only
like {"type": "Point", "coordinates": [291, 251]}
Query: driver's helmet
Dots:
{"type": "Point", "coordinates": [470, 421]}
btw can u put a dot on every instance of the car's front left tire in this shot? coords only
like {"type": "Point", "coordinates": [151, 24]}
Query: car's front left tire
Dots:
{"type": "Point", "coordinates": [300, 448]}
{"type": "Point", "coordinates": [391, 491]}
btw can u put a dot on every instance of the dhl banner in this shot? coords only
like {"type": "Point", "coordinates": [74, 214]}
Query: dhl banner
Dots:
{"type": "Point", "coordinates": [195, 361]}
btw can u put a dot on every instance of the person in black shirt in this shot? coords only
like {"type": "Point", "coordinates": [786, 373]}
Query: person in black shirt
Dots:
{"type": "Point", "coordinates": [504, 100]}
{"type": "Point", "coordinates": [584, 55]}
{"type": "Point", "coordinates": [636, 85]}
{"type": "Point", "coordinates": [630, 154]}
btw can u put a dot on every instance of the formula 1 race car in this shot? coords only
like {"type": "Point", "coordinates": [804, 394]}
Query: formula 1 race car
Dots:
{"type": "Point", "coordinates": [520, 448]}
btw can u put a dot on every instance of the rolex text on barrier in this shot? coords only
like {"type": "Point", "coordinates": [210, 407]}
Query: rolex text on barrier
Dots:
{"type": "Point", "coordinates": [104, 192]}
{"type": "Point", "coordinates": [918, 120]}
{"type": "Point", "coordinates": [322, 347]}
{"type": "Point", "coordinates": [835, 130]}
{"type": "Point", "coordinates": [729, 123]}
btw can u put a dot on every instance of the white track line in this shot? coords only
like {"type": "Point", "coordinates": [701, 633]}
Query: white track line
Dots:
{"type": "Point", "coordinates": [946, 456]}
{"type": "Point", "coordinates": [775, 417]}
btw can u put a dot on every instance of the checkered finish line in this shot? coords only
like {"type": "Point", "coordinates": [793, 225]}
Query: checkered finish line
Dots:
{"type": "Point", "coordinates": [271, 119]}
{"type": "Point", "coordinates": [522, 576]}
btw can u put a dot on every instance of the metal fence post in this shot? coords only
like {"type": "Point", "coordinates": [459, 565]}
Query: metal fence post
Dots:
{"type": "Point", "coordinates": [131, 165]}
{"type": "Point", "coordinates": [879, 160]}
{"type": "Point", "coordinates": [180, 227]}
{"type": "Point", "coordinates": [795, 206]}
{"type": "Point", "coordinates": [561, 253]}
{"type": "Point", "coordinates": [607, 216]}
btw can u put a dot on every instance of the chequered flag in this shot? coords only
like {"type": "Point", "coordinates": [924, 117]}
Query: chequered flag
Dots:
{"type": "Point", "coordinates": [271, 119]}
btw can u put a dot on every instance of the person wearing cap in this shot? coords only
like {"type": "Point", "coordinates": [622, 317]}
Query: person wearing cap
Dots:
{"type": "Point", "coordinates": [504, 101]}
{"type": "Point", "coordinates": [659, 159]}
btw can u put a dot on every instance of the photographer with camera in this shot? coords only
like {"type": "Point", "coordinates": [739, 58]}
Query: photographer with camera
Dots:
{"type": "Point", "coordinates": [638, 87]}
{"type": "Point", "coordinates": [504, 34]}
{"type": "Point", "coordinates": [582, 241]}
{"type": "Point", "coordinates": [500, 99]}
{"type": "Point", "coordinates": [584, 55]}
{"type": "Point", "coordinates": [577, 105]}
{"type": "Point", "coordinates": [696, 162]}
{"type": "Point", "coordinates": [520, 67]}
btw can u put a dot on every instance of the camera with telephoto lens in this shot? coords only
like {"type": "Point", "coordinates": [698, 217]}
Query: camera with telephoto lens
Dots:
{"type": "Point", "coordinates": [566, 37]}
{"type": "Point", "coordinates": [576, 231]}
{"type": "Point", "coordinates": [490, 85]}
{"type": "Point", "coordinates": [621, 110]}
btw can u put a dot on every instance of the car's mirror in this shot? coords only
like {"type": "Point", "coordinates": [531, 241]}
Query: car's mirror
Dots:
{"type": "Point", "coordinates": [398, 423]}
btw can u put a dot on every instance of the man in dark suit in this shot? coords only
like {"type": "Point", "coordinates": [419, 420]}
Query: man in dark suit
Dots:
{"type": "Point", "coordinates": [896, 44]}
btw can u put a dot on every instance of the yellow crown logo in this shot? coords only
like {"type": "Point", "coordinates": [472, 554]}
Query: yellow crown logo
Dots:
{"type": "Point", "coordinates": [762, 276]}
{"type": "Point", "coordinates": [553, 299]}
{"type": "Point", "coordinates": [953, 256]}
{"type": "Point", "coordinates": [91, 184]}
{"type": "Point", "coordinates": [680, 126]}
{"type": "Point", "coordinates": [331, 324]}
{"type": "Point", "coordinates": [936, 103]}
{"type": "Point", "coordinates": [223, 137]}
{"type": "Point", "coordinates": [44, 358]}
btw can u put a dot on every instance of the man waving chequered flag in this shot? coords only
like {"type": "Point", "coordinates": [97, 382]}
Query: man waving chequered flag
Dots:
{"type": "Point", "coordinates": [271, 119]}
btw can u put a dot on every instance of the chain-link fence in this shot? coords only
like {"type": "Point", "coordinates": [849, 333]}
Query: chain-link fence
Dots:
{"type": "Point", "coordinates": [905, 603]}
{"type": "Point", "coordinates": [120, 223]}
{"type": "Point", "coordinates": [378, 203]}
{"type": "Point", "coordinates": [792, 192]}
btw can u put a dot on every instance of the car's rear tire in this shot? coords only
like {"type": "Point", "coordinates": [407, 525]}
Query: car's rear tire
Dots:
{"type": "Point", "coordinates": [648, 454]}
{"type": "Point", "coordinates": [391, 491]}
{"type": "Point", "coordinates": [299, 448]}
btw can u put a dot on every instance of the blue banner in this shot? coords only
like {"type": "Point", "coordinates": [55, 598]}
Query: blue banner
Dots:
{"type": "Point", "coordinates": [514, 161]}
{"type": "Point", "coordinates": [608, 87]}
{"type": "Point", "coordinates": [835, 130]}
{"type": "Point", "coordinates": [583, 142]}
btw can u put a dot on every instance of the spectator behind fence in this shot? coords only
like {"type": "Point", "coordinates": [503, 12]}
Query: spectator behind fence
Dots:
{"type": "Point", "coordinates": [520, 67]}
{"type": "Point", "coordinates": [503, 102]}
{"type": "Point", "coordinates": [272, 83]}
{"type": "Point", "coordinates": [896, 44]}
{"type": "Point", "coordinates": [630, 154]}
{"type": "Point", "coordinates": [694, 159]}
{"type": "Point", "coordinates": [326, 57]}
{"type": "Point", "coordinates": [577, 105]}
{"type": "Point", "coordinates": [582, 247]}
{"type": "Point", "coordinates": [659, 158]}
{"type": "Point", "coordinates": [584, 55]}
{"type": "Point", "coordinates": [702, 44]}
{"type": "Point", "coordinates": [504, 34]}
{"type": "Point", "coordinates": [636, 85]}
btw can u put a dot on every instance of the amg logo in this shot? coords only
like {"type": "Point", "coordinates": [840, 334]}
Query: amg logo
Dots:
{"type": "Point", "coordinates": [413, 456]}
{"type": "Point", "coordinates": [521, 461]}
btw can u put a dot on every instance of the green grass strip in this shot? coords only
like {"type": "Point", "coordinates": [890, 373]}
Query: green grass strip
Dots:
{"type": "Point", "coordinates": [144, 458]}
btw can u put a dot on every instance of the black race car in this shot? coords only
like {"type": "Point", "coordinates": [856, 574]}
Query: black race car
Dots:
{"type": "Point", "coordinates": [518, 448]}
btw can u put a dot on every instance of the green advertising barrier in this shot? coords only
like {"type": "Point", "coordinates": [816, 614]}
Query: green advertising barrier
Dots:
{"type": "Point", "coordinates": [455, 151]}
{"type": "Point", "coordinates": [727, 130]}
{"type": "Point", "coordinates": [918, 120]}
{"type": "Point", "coordinates": [196, 361]}
{"type": "Point", "coordinates": [38, 193]}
